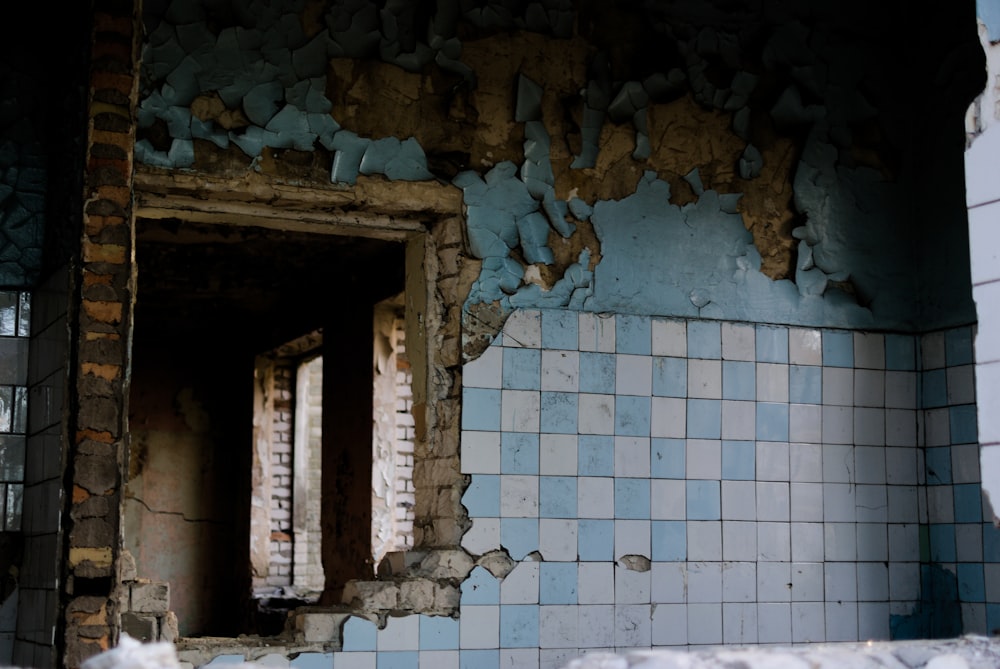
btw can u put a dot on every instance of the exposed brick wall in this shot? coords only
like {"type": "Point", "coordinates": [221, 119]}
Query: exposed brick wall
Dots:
{"type": "Point", "coordinates": [280, 570]}
{"type": "Point", "coordinates": [405, 436]}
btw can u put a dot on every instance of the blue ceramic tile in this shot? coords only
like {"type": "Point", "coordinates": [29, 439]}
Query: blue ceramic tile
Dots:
{"type": "Point", "coordinates": [481, 409]}
{"type": "Point", "coordinates": [704, 339]}
{"type": "Point", "coordinates": [971, 584]}
{"type": "Point", "coordinates": [561, 329]}
{"type": "Point", "coordinates": [958, 346]}
{"type": "Point", "coordinates": [992, 616]}
{"type": "Point", "coordinates": [937, 460]}
{"type": "Point", "coordinates": [739, 380]}
{"type": "Point", "coordinates": [991, 543]}
{"type": "Point", "coordinates": [595, 455]}
{"type": "Point", "coordinates": [934, 388]}
{"type": "Point", "coordinates": [704, 501]}
{"type": "Point", "coordinates": [632, 416]}
{"type": "Point", "coordinates": [438, 633]}
{"type": "Point", "coordinates": [738, 460]}
{"type": "Point", "coordinates": [667, 458]}
{"type": "Point", "coordinates": [772, 422]}
{"type": "Point", "coordinates": [805, 384]}
{"type": "Point", "coordinates": [632, 498]}
{"type": "Point", "coordinates": [942, 542]}
{"type": "Point", "coordinates": [633, 334]}
{"type": "Point", "coordinates": [670, 377]}
{"type": "Point", "coordinates": [900, 352]}
{"type": "Point", "coordinates": [519, 626]}
{"type": "Point", "coordinates": [522, 369]}
{"type": "Point", "coordinates": [557, 583]}
{"type": "Point", "coordinates": [557, 497]}
{"type": "Point", "coordinates": [479, 659]}
{"type": "Point", "coordinates": [311, 661]}
{"type": "Point", "coordinates": [519, 536]}
{"type": "Point", "coordinates": [771, 344]}
{"type": "Point", "coordinates": [704, 419]}
{"type": "Point", "coordinates": [968, 503]}
{"type": "Point", "coordinates": [406, 659]}
{"type": "Point", "coordinates": [359, 634]}
{"type": "Point", "coordinates": [838, 348]}
{"type": "Point", "coordinates": [559, 413]}
{"type": "Point", "coordinates": [964, 429]}
{"type": "Point", "coordinates": [596, 540]}
{"type": "Point", "coordinates": [597, 373]}
{"type": "Point", "coordinates": [481, 587]}
{"type": "Point", "coordinates": [518, 453]}
{"type": "Point", "coordinates": [482, 497]}
{"type": "Point", "coordinates": [669, 540]}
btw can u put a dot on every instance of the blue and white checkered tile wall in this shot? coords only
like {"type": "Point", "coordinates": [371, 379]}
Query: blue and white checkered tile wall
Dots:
{"type": "Point", "coordinates": [686, 483]}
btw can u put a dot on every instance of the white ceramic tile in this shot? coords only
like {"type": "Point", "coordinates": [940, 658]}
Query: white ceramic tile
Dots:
{"type": "Point", "coordinates": [904, 581]}
{"type": "Point", "coordinates": [739, 500]}
{"type": "Point", "coordinates": [521, 658]}
{"type": "Point", "coordinates": [901, 428]}
{"type": "Point", "coordinates": [772, 500]}
{"type": "Point", "coordinates": [704, 623]}
{"type": "Point", "coordinates": [805, 423]}
{"type": "Point", "coordinates": [669, 625]}
{"type": "Point", "coordinates": [774, 622]}
{"type": "Point", "coordinates": [354, 660]}
{"type": "Point", "coordinates": [772, 382]}
{"type": "Point", "coordinates": [901, 465]}
{"type": "Point", "coordinates": [772, 461]}
{"type": "Point", "coordinates": [973, 619]}
{"type": "Point", "coordinates": [869, 463]}
{"type": "Point", "coordinates": [869, 388]}
{"type": "Point", "coordinates": [486, 371]}
{"type": "Point", "coordinates": [805, 347]}
{"type": "Point", "coordinates": [840, 541]}
{"type": "Point", "coordinates": [838, 425]}
{"type": "Point", "coordinates": [597, 626]}
{"type": "Point", "coordinates": [597, 583]}
{"type": "Point", "coordinates": [399, 633]}
{"type": "Point", "coordinates": [937, 427]}
{"type": "Point", "coordinates": [841, 579]}
{"type": "Point", "coordinates": [668, 499]}
{"type": "Point", "coordinates": [739, 623]}
{"type": "Point", "coordinates": [940, 504]}
{"type": "Point", "coordinates": [739, 420]}
{"type": "Point", "coordinates": [587, 325]}
{"type": "Point", "coordinates": [557, 454]}
{"type": "Point", "coordinates": [523, 329]}
{"type": "Point", "coordinates": [631, 587]}
{"type": "Point", "coordinates": [965, 463]}
{"type": "Point", "coordinates": [519, 410]}
{"type": "Point", "coordinates": [704, 459]}
{"type": "Point", "coordinates": [774, 542]}
{"type": "Point", "coordinates": [838, 463]}
{"type": "Point", "coordinates": [807, 581]}
{"type": "Point", "coordinates": [632, 537]}
{"type": "Point", "coordinates": [439, 659]}
{"type": "Point", "coordinates": [704, 540]}
{"type": "Point", "coordinates": [480, 627]}
{"type": "Point", "coordinates": [738, 341]}
{"type": "Point", "coordinates": [632, 626]}
{"type": "Point", "coordinates": [961, 384]}
{"type": "Point", "coordinates": [841, 621]}
{"type": "Point", "coordinates": [838, 386]}
{"type": "Point", "coordinates": [595, 497]}
{"type": "Point", "coordinates": [807, 542]}
{"type": "Point", "coordinates": [901, 390]}
{"type": "Point", "coordinates": [518, 496]}
{"type": "Point", "coordinates": [774, 582]}
{"type": "Point", "coordinates": [873, 542]}
{"type": "Point", "coordinates": [669, 417]}
{"type": "Point", "coordinates": [806, 501]}
{"type": "Point", "coordinates": [903, 502]}
{"type": "Point", "coordinates": [739, 541]}
{"type": "Point", "coordinates": [869, 426]}
{"type": "Point", "coordinates": [557, 626]}
{"type": "Point", "coordinates": [838, 503]}
{"type": "Point", "coordinates": [932, 351]}
{"type": "Point", "coordinates": [483, 536]}
{"type": "Point", "coordinates": [869, 350]}
{"type": "Point", "coordinates": [596, 414]}
{"type": "Point", "coordinates": [561, 371]}
{"type": "Point", "coordinates": [805, 462]}
{"type": "Point", "coordinates": [808, 622]}
{"type": "Point", "coordinates": [991, 573]}
{"type": "Point", "coordinates": [704, 582]}
{"type": "Point", "coordinates": [669, 338]}
{"type": "Point", "coordinates": [633, 375]}
{"type": "Point", "coordinates": [480, 452]}
{"type": "Point", "coordinates": [632, 457]}
{"type": "Point", "coordinates": [705, 379]}
{"type": "Point", "coordinates": [669, 582]}
{"type": "Point", "coordinates": [739, 581]}
{"type": "Point", "coordinates": [556, 658]}
{"type": "Point", "coordinates": [557, 539]}
{"type": "Point", "coordinates": [520, 586]}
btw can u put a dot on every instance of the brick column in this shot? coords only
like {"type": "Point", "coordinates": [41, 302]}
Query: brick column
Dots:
{"type": "Point", "coordinates": [98, 429]}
